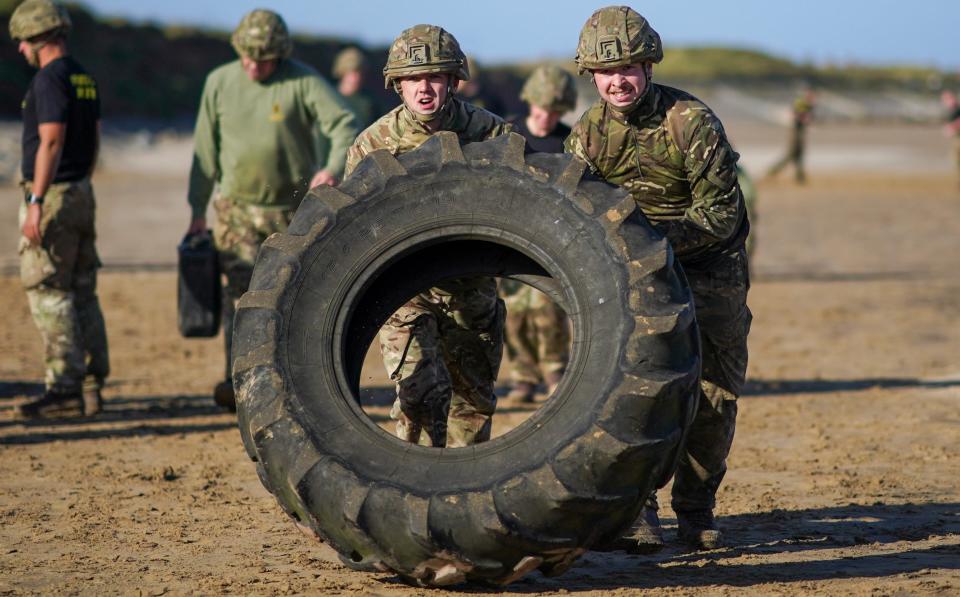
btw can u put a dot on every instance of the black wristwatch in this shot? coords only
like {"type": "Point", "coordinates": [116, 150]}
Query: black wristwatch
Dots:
{"type": "Point", "coordinates": [34, 200]}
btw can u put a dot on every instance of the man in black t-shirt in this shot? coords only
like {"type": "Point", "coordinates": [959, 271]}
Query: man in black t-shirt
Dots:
{"type": "Point", "coordinates": [58, 259]}
{"type": "Point", "coordinates": [537, 334]}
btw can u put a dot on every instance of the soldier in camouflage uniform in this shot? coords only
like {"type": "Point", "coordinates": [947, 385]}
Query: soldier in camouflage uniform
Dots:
{"type": "Point", "coordinates": [801, 117]}
{"type": "Point", "coordinates": [58, 259]}
{"type": "Point", "coordinates": [671, 153]}
{"type": "Point", "coordinates": [537, 332]}
{"type": "Point", "coordinates": [951, 125]}
{"type": "Point", "coordinates": [443, 347]}
{"type": "Point", "coordinates": [348, 69]}
{"type": "Point", "coordinates": [255, 139]}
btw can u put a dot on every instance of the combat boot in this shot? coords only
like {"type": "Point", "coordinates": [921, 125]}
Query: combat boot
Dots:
{"type": "Point", "coordinates": [92, 399]}
{"type": "Point", "coordinates": [224, 397]}
{"type": "Point", "coordinates": [698, 529]}
{"type": "Point", "coordinates": [646, 535]}
{"type": "Point", "coordinates": [51, 405]}
{"type": "Point", "coordinates": [522, 393]}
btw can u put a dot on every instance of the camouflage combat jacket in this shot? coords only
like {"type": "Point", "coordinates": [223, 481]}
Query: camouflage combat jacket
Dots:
{"type": "Point", "coordinates": [672, 155]}
{"type": "Point", "coordinates": [398, 131]}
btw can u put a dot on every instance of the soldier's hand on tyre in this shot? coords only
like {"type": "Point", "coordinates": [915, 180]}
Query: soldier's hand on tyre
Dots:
{"type": "Point", "coordinates": [323, 178]}
{"type": "Point", "coordinates": [31, 224]}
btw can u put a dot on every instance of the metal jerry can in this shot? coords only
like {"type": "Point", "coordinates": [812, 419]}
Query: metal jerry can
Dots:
{"type": "Point", "coordinates": [198, 287]}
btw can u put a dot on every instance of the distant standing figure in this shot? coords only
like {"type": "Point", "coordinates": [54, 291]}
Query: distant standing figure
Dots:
{"type": "Point", "coordinates": [255, 140]}
{"type": "Point", "coordinates": [537, 333]}
{"type": "Point", "coordinates": [796, 147]}
{"type": "Point", "coordinates": [952, 126]}
{"type": "Point", "coordinates": [348, 69]}
{"type": "Point", "coordinates": [58, 258]}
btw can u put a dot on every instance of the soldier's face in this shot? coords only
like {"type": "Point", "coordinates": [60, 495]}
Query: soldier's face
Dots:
{"type": "Point", "coordinates": [622, 85]}
{"type": "Point", "coordinates": [258, 70]}
{"type": "Point", "coordinates": [26, 49]}
{"type": "Point", "coordinates": [424, 94]}
{"type": "Point", "coordinates": [543, 120]}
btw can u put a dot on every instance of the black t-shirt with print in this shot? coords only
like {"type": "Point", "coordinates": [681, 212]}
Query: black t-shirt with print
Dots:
{"type": "Point", "coordinates": [62, 92]}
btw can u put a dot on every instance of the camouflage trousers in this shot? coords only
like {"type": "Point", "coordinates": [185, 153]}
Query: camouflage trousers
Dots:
{"type": "Point", "coordinates": [720, 299]}
{"type": "Point", "coordinates": [443, 350]}
{"type": "Point", "coordinates": [60, 279]}
{"type": "Point", "coordinates": [537, 335]}
{"type": "Point", "coordinates": [796, 148]}
{"type": "Point", "coordinates": [239, 231]}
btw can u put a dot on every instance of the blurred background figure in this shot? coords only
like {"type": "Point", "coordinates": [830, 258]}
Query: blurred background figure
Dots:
{"type": "Point", "coordinates": [537, 333]}
{"type": "Point", "coordinates": [952, 126]}
{"type": "Point", "coordinates": [475, 91]}
{"type": "Point", "coordinates": [58, 257]}
{"type": "Point", "coordinates": [349, 68]}
{"type": "Point", "coordinates": [749, 192]}
{"type": "Point", "coordinates": [549, 92]}
{"type": "Point", "coordinates": [255, 140]}
{"type": "Point", "coordinates": [796, 146]}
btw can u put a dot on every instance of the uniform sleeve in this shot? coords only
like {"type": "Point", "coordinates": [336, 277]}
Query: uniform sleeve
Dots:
{"type": "Point", "coordinates": [52, 97]}
{"type": "Point", "coordinates": [205, 170]}
{"type": "Point", "coordinates": [354, 155]}
{"type": "Point", "coordinates": [574, 144]}
{"type": "Point", "coordinates": [335, 121]}
{"type": "Point", "coordinates": [717, 204]}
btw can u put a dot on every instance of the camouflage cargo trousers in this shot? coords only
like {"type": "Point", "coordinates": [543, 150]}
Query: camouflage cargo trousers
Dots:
{"type": "Point", "coordinates": [720, 298]}
{"type": "Point", "coordinates": [537, 336]}
{"type": "Point", "coordinates": [239, 231]}
{"type": "Point", "coordinates": [796, 148]}
{"type": "Point", "coordinates": [443, 350]}
{"type": "Point", "coordinates": [60, 279]}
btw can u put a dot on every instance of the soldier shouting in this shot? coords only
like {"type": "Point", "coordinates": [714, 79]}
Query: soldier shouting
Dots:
{"type": "Point", "coordinates": [443, 347]}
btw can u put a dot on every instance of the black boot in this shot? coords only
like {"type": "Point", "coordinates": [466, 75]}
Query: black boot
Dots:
{"type": "Point", "coordinates": [698, 529]}
{"type": "Point", "coordinates": [51, 405]}
{"type": "Point", "coordinates": [646, 535]}
{"type": "Point", "coordinates": [224, 396]}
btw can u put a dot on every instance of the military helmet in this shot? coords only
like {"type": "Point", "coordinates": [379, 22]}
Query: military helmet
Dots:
{"type": "Point", "coordinates": [262, 35]}
{"type": "Point", "coordinates": [35, 17]}
{"type": "Point", "coordinates": [425, 49]}
{"type": "Point", "coordinates": [349, 59]}
{"type": "Point", "coordinates": [617, 36]}
{"type": "Point", "coordinates": [551, 88]}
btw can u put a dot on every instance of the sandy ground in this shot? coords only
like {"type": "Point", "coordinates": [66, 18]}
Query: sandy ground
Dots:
{"type": "Point", "coordinates": [843, 477]}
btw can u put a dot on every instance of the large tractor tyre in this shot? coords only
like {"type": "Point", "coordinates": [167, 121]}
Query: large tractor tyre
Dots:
{"type": "Point", "coordinates": [571, 476]}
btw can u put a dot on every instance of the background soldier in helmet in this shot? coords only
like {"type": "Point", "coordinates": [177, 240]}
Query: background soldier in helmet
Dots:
{"type": "Point", "coordinates": [348, 68]}
{"type": "Point", "coordinates": [537, 334]}
{"type": "Point", "coordinates": [58, 259]}
{"type": "Point", "coordinates": [800, 119]}
{"type": "Point", "coordinates": [452, 401]}
{"type": "Point", "coordinates": [671, 153]}
{"type": "Point", "coordinates": [475, 92]}
{"type": "Point", "coordinates": [254, 139]}
{"type": "Point", "coordinates": [951, 125]}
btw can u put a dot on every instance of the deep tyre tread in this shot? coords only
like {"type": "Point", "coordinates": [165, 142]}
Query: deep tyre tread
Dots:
{"type": "Point", "coordinates": [571, 477]}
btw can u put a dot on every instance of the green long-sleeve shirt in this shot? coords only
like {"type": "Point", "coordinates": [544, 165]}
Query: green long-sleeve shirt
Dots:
{"type": "Point", "coordinates": [257, 140]}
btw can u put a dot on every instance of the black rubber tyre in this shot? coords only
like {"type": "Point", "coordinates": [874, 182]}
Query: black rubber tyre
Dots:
{"type": "Point", "coordinates": [574, 474]}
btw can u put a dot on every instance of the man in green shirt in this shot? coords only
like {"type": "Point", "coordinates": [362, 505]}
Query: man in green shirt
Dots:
{"type": "Point", "coordinates": [348, 68]}
{"type": "Point", "coordinates": [254, 140]}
